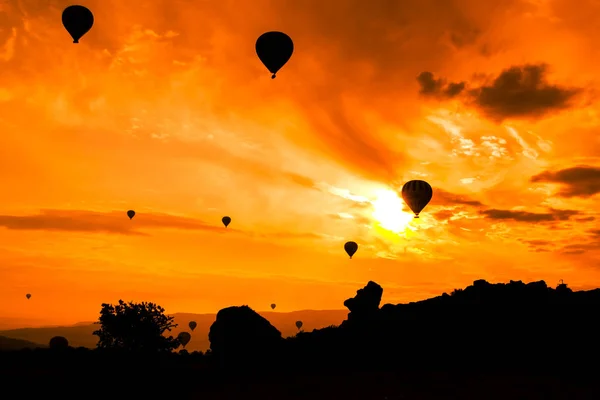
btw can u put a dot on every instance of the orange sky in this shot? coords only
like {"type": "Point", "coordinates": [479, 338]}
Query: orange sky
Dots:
{"type": "Point", "coordinates": [165, 108]}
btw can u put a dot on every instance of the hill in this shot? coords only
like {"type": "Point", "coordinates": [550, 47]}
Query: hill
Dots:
{"type": "Point", "coordinates": [80, 334]}
{"type": "Point", "coordinates": [7, 343]}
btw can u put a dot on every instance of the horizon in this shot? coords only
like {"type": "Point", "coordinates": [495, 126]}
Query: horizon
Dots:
{"type": "Point", "coordinates": [176, 118]}
{"type": "Point", "coordinates": [4, 322]}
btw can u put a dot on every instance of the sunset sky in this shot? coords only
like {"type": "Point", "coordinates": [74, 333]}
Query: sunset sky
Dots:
{"type": "Point", "coordinates": [164, 108]}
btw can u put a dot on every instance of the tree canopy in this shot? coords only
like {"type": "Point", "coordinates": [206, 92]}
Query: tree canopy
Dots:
{"type": "Point", "coordinates": [135, 327]}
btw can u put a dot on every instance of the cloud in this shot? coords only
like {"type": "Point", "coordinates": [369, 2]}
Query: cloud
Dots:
{"type": "Point", "coordinates": [520, 92]}
{"type": "Point", "coordinates": [524, 216]}
{"type": "Point", "coordinates": [538, 245]}
{"type": "Point", "coordinates": [442, 197]}
{"type": "Point", "coordinates": [438, 87]}
{"type": "Point", "coordinates": [115, 222]}
{"type": "Point", "coordinates": [579, 181]}
{"type": "Point", "coordinates": [301, 180]}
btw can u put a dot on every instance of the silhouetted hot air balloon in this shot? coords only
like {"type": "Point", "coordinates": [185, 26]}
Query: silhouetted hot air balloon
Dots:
{"type": "Point", "coordinates": [78, 20]}
{"type": "Point", "coordinates": [417, 194]}
{"type": "Point", "coordinates": [28, 296]}
{"type": "Point", "coordinates": [298, 324]}
{"type": "Point", "coordinates": [226, 221]}
{"type": "Point", "coordinates": [273, 306]}
{"type": "Point", "coordinates": [131, 214]}
{"type": "Point", "coordinates": [184, 338]}
{"type": "Point", "coordinates": [192, 325]}
{"type": "Point", "coordinates": [350, 248]}
{"type": "Point", "coordinates": [274, 49]}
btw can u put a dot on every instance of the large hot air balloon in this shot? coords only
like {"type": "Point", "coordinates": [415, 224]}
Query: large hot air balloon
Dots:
{"type": "Point", "coordinates": [192, 325]}
{"type": "Point", "coordinates": [298, 324]}
{"type": "Point", "coordinates": [131, 214]}
{"type": "Point", "coordinates": [78, 20]}
{"type": "Point", "coordinates": [28, 295]}
{"type": "Point", "coordinates": [350, 248]}
{"type": "Point", "coordinates": [184, 338]}
{"type": "Point", "coordinates": [226, 221]}
{"type": "Point", "coordinates": [274, 49]}
{"type": "Point", "coordinates": [416, 195]}
{"type": "Point", "coordinates": [273, 306]}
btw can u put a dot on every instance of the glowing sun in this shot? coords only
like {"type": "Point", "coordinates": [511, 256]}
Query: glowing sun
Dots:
{"type": "Point", "coordinates": [389, 211]}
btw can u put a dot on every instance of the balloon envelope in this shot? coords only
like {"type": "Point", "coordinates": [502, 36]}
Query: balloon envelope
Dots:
{"type": "Point", "coordinates": [417, 194]}
{"type": "Point", "coordinates": [77, 20]}
{"type": "Point", "coordinates": [192, 325]}
{"type": "Point", "coordinates": [298, 324]}
{"type": "Point", "coordinates": [273, 306]}
{"type": "Point", "coordinates": [184, 338]}
{"type": "Point", "coordinates": [350, 248]}
{"type": "Point", "coordinates": [226, 221]}
{"type": "Point", "coordinates": [28, 296]}
{"type": "Point", "coordinates": [131, 214]}
{"type": "Point", "coordinates": [274, 49]}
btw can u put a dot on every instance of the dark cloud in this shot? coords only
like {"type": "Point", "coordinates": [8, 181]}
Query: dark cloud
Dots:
{"type": "Point", "coordinates": [579, 248]}
{"type": "Point", "coordinates": [579, 181]}
{"type": "Point", "coordinates": [522, 92]}
{"type": "Point", "coordinates": [115, 222]}
{"type": "Point", "coordinates": [444, 198]}
{"type": "Point", "coordinates": [595, 233]}
{"type": "Point", "coordinates": [524, 216]}
{"type": "Point", "coordinates": [518, 92]}
{"type": "Point", "coordinates": [438, 87]}
{"type": "Point", "coordinates": [585, 219]}
{"type": "Point", "coordinates": [538, 246]}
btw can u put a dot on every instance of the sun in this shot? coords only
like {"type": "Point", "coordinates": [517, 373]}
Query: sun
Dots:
{"type": "Point", "coordinates": [389, 211]}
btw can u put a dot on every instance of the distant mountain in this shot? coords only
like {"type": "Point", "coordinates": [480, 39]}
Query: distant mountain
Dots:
{"type": "Point", "coordinates": [7, 343]}
{"type": "Point", "coordinates": [80, 334]}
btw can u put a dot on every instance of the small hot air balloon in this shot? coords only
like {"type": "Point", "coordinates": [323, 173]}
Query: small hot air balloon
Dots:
{"type": "Point", "coordinates": [273, 306]}
{"type": "Point", "coordinates": [77, 20]}
{"type": "Point", "coordinates": [131, 214]}
{"type": "Point", "coordinates": [28, 295]}
{"type": "Point", "coordinates": [417, 194]}
{"type": "Point", "coordinates": [350, 248]}
{"type": "Point", "coordinates": [274, 49]}
{"type": "Point", "coordinates": [192, 325]}
{"type": "Point", "coordinates": [184, 338]}
{"type": "Point", "coordinates": [298, 324]}
{"type": "Point", "coordinates": [226, 221]}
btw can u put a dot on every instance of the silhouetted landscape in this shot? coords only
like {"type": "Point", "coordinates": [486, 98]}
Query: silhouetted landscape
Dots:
{"type": "Point", "coordinates": [80, 335]}
{"type": "Point", "coordinates": [487, 341]}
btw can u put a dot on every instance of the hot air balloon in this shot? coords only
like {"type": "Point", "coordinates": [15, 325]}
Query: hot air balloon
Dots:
{"type": "Point", "coordinates": [417, 194]}
{"type": "Point", "coordinates": [350, 248]}
{"type": "Point", "coordinates": [78, 20]}
{"type": "Point", "coordinates": [298, 324]}
{"type": "Point", "coordinates": [28, 296]}
{"type": "Point", "coordinates": [131, 214]}
{"type": "Point", "coordinates": [226, 221]}
{"type": "Point", "coordinates": [192, 325]}
{"type": "Point", "coordinates": [273, 306]}
{"type": "Point", "coordinates": [184, 338]}
{"type": "Point", "coordinates": [274, 49]}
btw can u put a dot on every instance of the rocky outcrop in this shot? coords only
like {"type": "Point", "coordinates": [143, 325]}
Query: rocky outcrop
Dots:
{"type": "Point", "coordinates": [364, 307]}
{"type": "Point", "coordinates": [239, 335]}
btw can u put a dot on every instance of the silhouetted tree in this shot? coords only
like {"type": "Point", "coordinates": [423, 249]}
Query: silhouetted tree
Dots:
{"type": "Point", "coordinates": [135, 327]}
{"type": "Point", "coordinates": [58, 343]}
